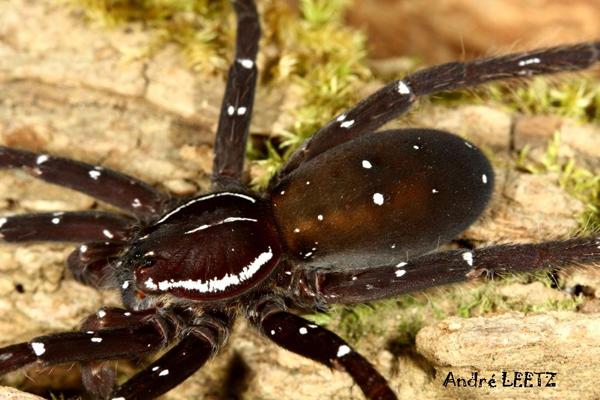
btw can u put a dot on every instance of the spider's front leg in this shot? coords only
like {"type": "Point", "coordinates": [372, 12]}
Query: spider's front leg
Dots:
{"type": "Point", "coordinates": [122, 191]}
{"type": "Point", "coordinates": [121, 334]}
{"type": "Point", "coordinates": [236, 109]}
{"type": "Point", "coordinates": [397, 97]}
{"type": "Point", "coordinates": [319, 344]}
{"type": "Point", "coordinates": [360, 285]}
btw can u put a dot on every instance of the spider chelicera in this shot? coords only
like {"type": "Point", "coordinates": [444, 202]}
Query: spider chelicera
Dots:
{"type": "Point", "coordinates": [353, 216]}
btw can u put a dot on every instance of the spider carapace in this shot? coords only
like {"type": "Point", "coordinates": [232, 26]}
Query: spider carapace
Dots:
{"type": "Point", "coordinates": [354, 215]}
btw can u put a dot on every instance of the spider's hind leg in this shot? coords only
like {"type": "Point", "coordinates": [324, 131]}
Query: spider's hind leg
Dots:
{"type": "Point", "coordinates": [367, 284]}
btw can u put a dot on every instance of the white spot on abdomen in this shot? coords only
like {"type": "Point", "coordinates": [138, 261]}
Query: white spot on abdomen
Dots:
{"type": "Point", "coordinates": [378, 198]}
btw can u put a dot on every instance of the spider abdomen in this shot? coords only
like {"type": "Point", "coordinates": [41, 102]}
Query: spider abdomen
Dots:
{"type": "Point", "coordinates": [382, 197]}
{"type": "Point", "coordinates": [202, 252]}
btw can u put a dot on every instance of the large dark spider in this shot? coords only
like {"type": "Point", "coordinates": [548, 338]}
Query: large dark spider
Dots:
{"type": "Point", "coordinates": [352, 217]}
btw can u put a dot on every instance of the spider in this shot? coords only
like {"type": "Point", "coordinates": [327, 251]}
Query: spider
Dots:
{"type": "Point", "coordinates": [354, 215]}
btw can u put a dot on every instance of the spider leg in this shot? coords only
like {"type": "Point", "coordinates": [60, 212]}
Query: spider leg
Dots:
{"type": "Point", "coordinates": [122, 191]}
{"type": "Point", "coordinates": [93, 264]}
{"type": "Point", "coordinates": [398, 96]}
{"type": "Point", "coordinates": [77, 226]}
{"type": "Point", "coordinates": [236, 109]}
{"type": "Point", "coordinates": [139, 337]}
{"type": "Point", "coordinates": [357, 286]}
{"type": "Point", "coordinates": [198, 343]}
{"type": "Point", "coordinates": [302, 337]}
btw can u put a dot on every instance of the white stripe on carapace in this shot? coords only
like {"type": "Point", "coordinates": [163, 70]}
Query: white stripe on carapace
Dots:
{"type": "Point", "coordinates": [215, 284]}
{"type": "Point", "coordinates": [207, 197]}
{"type": "Point", "coordinates": [225, 221]}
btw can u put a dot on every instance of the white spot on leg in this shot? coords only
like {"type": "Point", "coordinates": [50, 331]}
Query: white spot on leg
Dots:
{"type": "Point", "coordinates": [241, 110]}
{"type": "Point", "coordinates": [303, 331]}
{"type": "Point", "coordinates": [125, 285]}
{"type": "Point", "coordinates": [342, 351]}
{"type": "Point", "coordinates": [401, 264]}
{"type": "Point", "coordinates": [94, 174]}
{"type": "Point", "coordinates": [156, 368]}
{"type": "Point", "coordinates": [484, 178]}
{"type": "Point", "coordinates": [38, 348]}
{"type": "Point", "coordinates": [245, 62]}
{"type": "Point", "coordinates": [341, 118]}
{"type": "Point", "coordinates": [101, 314]}
{"type": "Point", "coordinates": [468, 257]}
{"type": "Point", "coordinates": [434, 191]}
{"type": "Point", "coordinates": [4, 357]}
{"type": "Point", "coordinates": [469, 145]}
{"type": "Point", "coordinates": [56, 221]}
{"type": "Point", "coordinates": [3, 221]}
{"type": "Point", "coordinates": [529, 61]}
{"type": "Point", "coordinates": [416, 147]}
{"type": "Point", "coordinates": [164, 372]}
{"type": "Point", "coordinates": [136, 203]}
{"type": "Point", "coordinates": [378, 198]}
{"type": "Point", "coordinates": [83, 248]}
{"type": "Point", "coordinates": [272, 332]}
{"type": "Point", "coordinates": [118, 398]}
{"type": "Point", "coordinates": [366, 164]}
{"type": "Point", "coordinates": [96, 339]}
{"type": "Point", "coordinates": [230, 110]}
{"type": "Point", "coordinates": [107, 233]}
{"type": "Point", "coordinates": [400, 273]}
{"type": "Point", "coordinates": [403, 88]}
{"type": "Point", "coordinates": [347, 124]}
{"type": "Point", "coordinates": [320, 217]}
{"type": "Point", "coordinates": [42, 158]}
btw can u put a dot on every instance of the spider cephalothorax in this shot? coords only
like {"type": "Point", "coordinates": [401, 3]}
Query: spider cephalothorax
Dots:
{"type": "Point", "coordinates": [354, 215]}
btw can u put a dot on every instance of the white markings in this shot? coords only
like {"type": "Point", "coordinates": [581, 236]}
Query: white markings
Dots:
{"type": "Point", "coordinates": [94, 174]}
{"type": "Point", "coordinates": [56, 220]}
{"type": "Point", "coordinates": [38, 348]}
{"type": "Point", "coordinates": [42, 158]}
{"type": "Point", "coordinates": [366, 164]}
{"type": "Point", "coordinates": [272, 332]}
{"type": "Point", "coordinates": [156, 368]}
{"type": "Point", "coordinates": [282, 192]}
{"type": "Point", "coordinates": [403, 88]}
{"type": "Point", "coordinates": [468, 257]}
{"type": "Point", "coordinates": [343, 350]}
{"type": "Point", "coordinates": [307, 183]}
{"type": "Point", "coordinates": [303, 331]}
{"type": "Point", "coordinates": [400, 273]}
{"type": "Point", "coordinates": [149, 253]}
{"type": "Point", "coordinates": [434, 191]}
{"type": "Point", "coordinates": [4, 357]}
{"type": "Point", "coordinates": [401, 264]}
{"type": "Point", "coordinates": [136, 203]}
{"type": "Point", "coordinates": [230, 110]}
{"type": "Point", "coordinates": [3, 221]}
{"type": "Point", "coordinates": [341, 118]}
{"type": "Point", "coordinates": [354, 278]}
{"type": "Point", "coordinates": [96, 339]}
{"type": "Point", "coordinates": [101, 314]}
{"type": "Point", "coordinates": [125, 285]}
{"type": "Point", "coordinates": [416, 147]}
{"type": "Point", "coordinates": [320, 217]}
{"type": "Point", "coordinates": [241, 110]}
{"type": "Point", "coordinates": [347, 124]}
{"type": "Point", "coordinates": [118, 398]}
{"type": "Point", "coordinates": [203, 198]}
{"type": "Point", "coordinates": [484, 178]}
{"type": "Point", "coordinates": [469, 145]}
{"type": "Point", "coordinates": [164, 372]}
{"type": "Point", "coordinates": [297, 230]}
{"type": "Point", "coordinates": [225, 221]}
{"type": "Point", "coordinates": [107, 233]}
{"type": "Point", "coordinates": [289, 273]}
{"type": "Point", "coordinates": [245, 62]}
{"type": "Point", "coordinates": [215, 284]}
{"type": "Point", "coordinates": [90, 332]}
{"type": "Point", "coordinates": [378, 198]}
{"type": "Point", "coordinates": [393, 246]}
{"type": "Point", "coordinates": [83, 248]}
{"type": "Point", "coordinates": [529, 61]}
{"type": "Point", "coordinates": [127, 314]}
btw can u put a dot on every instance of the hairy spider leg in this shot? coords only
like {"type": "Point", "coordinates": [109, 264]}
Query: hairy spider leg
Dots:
{"type": "Point", "coordinates": [309, 340]}
{"type": "Point", "coordinates": [122, 191]}
{"type": "Point", "coordinates": [95, 264]}
{"type": "Point", "coordinates": [127, 342]}
{"type": "Point", "coordinates": [199, 341]}
{"type": "Point", "coordinates": [238, 100]}
{"type": "Point", "coordinates": [397, 97]}
{"type": "Point", "coordinates": [361, 285]}
{"type": "Point", "coordinates": [78, 226]}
